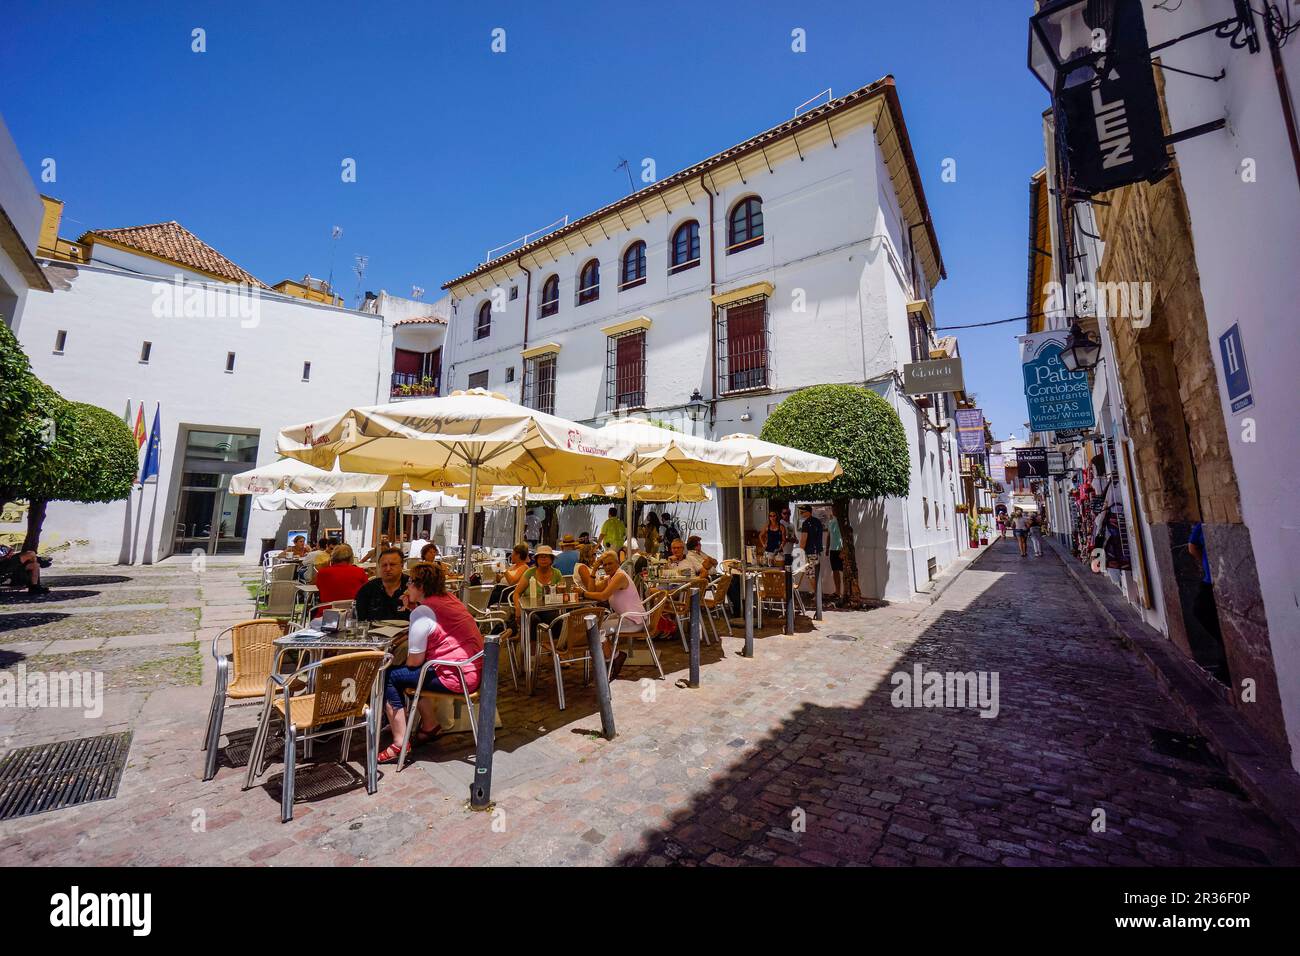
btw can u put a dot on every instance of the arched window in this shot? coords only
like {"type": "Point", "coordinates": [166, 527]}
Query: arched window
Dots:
{"type": "Point", "coordinates": [633, 266]}
{"type": "Point", "coordinates": [589, 282]}
{"type": "Point", "coordinates": [483, 327]}
{"type": "Point", "coordinates": [745, 225]}
{"type": "Point", "coordinates": [550, 296]}
{"type": "Point", "coordinates": [686, 247]}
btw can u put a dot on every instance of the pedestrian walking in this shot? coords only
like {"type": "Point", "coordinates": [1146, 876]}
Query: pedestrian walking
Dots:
{"type": "Point", "coordinates": [1036, 535]}
{"type": "Point", "coordinates": [1020, 527]}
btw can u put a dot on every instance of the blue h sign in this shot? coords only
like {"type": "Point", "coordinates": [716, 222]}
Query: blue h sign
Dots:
{"type": "Point", "coordinates": [1234, 370]}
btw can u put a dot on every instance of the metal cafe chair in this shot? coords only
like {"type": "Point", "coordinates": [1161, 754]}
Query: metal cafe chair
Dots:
{"type": "Point", "coordinates": [418, 691]}
{"type": "Point", "coordinates": [561, 635]}
{"type": "Point", "coordinates": [713, 603]}
{"type": "Point", "coordinates": [281, 599]}
{"type": "Point", "coordinates": [642, 620]}
{"type": "Point", "coordinates": [241, 676]}
{"type": "Point", "coordinates": [342, 688]}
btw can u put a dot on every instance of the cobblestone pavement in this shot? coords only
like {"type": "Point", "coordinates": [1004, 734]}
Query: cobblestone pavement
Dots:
{"type": "Point", "coordinates": [796, 757]}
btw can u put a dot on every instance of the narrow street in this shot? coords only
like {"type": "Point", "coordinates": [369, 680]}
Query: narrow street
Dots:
{"type": "Point", "coordinates": [796, 757]}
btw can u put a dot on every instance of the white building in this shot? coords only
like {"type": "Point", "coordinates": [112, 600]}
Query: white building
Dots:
{"type": "Point", "coordinates": [20, 227]}
{"type": "Point", "coordinates": [803, 255]}
{"type": "Point", "coordinates": [153, 316]}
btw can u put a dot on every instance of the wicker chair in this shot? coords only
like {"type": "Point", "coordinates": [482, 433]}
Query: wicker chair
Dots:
{"type": "Point", "coordinates": [714, 603]}
{"type": "Point", "coordinates": [342, 689]}
{"type": "Point", "coordinates": [565, 640]}
{"type": "Point", "coordinates": [418, 691]}
{"type": "Point", "coordinates": [251, 659]}
{"type": "Point", "coordinates": [646, 622]}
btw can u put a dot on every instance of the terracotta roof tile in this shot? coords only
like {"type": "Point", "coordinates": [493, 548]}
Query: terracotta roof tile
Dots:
{"type": "Point", "coordinates": [416, 319]}
{"type": "Point", "coordinates": [175, 243]}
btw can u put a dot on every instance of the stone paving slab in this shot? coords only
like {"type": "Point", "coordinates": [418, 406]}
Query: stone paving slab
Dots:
{"type": "Point", "coordinates": [796, 757]}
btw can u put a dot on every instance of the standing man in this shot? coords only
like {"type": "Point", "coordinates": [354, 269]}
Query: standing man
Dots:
{"type": "Point", "coordinates": [811, 539]}
{"type": "Point", "coordinates": [835, 548]}
{"type": "Point", "coordinates": [613, 532]}
{"type": "Point", "coordinates": [532, 529]}
{"type": "Point", "coordinates": [380, 598]}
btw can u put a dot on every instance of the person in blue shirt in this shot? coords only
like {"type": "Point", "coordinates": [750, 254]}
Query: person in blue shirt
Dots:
{"type": "Point", "coordinates": [567, 559]}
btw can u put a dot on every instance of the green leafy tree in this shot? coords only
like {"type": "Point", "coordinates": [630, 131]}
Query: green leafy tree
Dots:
{"type": "Point", "coordinates": [859, 428]}
{"type": "Point", "coordinates": [56, 450]}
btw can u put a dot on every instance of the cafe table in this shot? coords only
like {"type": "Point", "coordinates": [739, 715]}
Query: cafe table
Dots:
{"type": "Point", "coordinates": [527, 608]}
{"type": "Point", "coordinates": [379, 636]}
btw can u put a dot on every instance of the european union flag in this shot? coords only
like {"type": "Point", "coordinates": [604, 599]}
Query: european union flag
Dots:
{"type": "Point", "coordinates": [154, 455]}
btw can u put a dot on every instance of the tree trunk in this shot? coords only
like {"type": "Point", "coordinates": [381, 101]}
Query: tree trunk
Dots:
{"type": "Point", "coordinates": [313, 526]}
{"type": "Point", "coordinates": [35, 521]}
{"type": "Point", "coordinates": [852, 590]}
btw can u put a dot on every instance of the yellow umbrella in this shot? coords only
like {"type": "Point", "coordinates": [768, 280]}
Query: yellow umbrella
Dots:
{"type": "Point", "coordinates": [465, 438]}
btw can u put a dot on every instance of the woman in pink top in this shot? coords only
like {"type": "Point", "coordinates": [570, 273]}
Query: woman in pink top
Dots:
{"type": "Point", "coordinates": [617, 588]}
{"type": "Point", "coordinates": [442, 629]}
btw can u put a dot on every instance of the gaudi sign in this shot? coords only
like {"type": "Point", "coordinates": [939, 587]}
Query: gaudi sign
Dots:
{"type": "Point", "coordinates": [1057, 398]}
{"type": "Point", "coordinates": [942, 375]}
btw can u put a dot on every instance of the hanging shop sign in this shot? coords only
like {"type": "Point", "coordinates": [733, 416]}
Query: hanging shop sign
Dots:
{"type": "Point", "coordinates": [997, 468]}
{"type": "Point", "coordinates": [1235, 373]}
{"type": "Point", "coordinates": [1055, 463]}
{"type": "Point", "coordinates": [1031, 462]}
{"type": "Point", "coordinates": [1094, 57]}
{"type": "Point", "coordinates": [940, 375]}
{"type": "Point", "coordinates": [1057, 398]}
{"type": "Point", "coordinates": [970, 430]}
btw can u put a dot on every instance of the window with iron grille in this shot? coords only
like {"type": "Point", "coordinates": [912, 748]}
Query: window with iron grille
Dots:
{"type": "Point", "coordinates": [633, 273]}
{"type": "Point", "coordinates": [550, 297]}
{"type": "Point", "coordinates": [745, 225]}
{"type": "Point", "coordinates": [539, 383]}
{"type": "Point", "coordinates": [589, 282]}
{"type": "Point", "coordinates": [625, 370]}
{"type": "Point", "coordinates": [483, 327]}
{"type": "Point", "coordinates": [743, 346]}
{"type": "Point", "coordinates": [686, 247]}
{"type": "Point", "coordinates": [478, 379]}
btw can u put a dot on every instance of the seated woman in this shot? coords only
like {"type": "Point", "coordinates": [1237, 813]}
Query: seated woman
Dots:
{"type": "Point", "coordinates": [340, 580]}
{"type": "Point", "coordinates": [518, 565]}
{"type": "Point", "coordinates": [442, 629]}
{"type": "Point", "coordinates": [584, 572]}
{"type": "Point", "coordinates": [618, 589]}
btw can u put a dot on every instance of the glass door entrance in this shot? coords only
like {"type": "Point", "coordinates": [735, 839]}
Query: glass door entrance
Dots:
{"type": "Point", "coordinates": [208, 517]}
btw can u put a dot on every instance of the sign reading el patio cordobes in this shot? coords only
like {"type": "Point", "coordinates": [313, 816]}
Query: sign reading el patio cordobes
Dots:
{"type": "Point", "coordinates": [941, 375]}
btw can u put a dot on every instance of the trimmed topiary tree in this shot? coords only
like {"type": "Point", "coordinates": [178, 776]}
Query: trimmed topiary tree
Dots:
{"type": "Point", "coordinates": [859, 428]}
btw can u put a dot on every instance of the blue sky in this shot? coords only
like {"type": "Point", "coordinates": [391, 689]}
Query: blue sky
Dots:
{"type": "Point", "coordinates": [459, 149]}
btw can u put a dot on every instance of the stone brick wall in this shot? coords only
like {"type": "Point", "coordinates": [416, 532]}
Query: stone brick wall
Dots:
{"type": "Point", "coordinates": [1180, 439]}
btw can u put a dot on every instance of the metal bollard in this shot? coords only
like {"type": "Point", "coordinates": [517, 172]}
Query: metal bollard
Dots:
{"type": "Point", "coordinates": [749, 617]}
{"type": "Point", "coordinates": [694, 680]}
{"type": "Point", "coordinates": [789, 600]}
{"type": "Point", "coordinates": [818, 615]}
{"type": "Point", "coordinates": [480, 790]}
{"type": "Point", "coordinates": [601, 678]}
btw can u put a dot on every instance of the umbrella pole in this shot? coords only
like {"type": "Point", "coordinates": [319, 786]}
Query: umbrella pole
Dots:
{"type": "Point", "coordinates": [521, 514]}
{"type": "Point", "coordinates": [631, 530]}
{"type": "Point", "coordinates": [468, 544]}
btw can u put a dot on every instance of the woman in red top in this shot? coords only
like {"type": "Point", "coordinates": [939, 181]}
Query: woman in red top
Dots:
{"type": "Point", "coordinates": [442, 629]}
{"type": "Point", "coordinates": [340, 580]}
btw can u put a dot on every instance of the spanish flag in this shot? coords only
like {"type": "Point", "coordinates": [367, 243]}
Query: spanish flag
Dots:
{"type": "Point", "coordinates": [140, 434]}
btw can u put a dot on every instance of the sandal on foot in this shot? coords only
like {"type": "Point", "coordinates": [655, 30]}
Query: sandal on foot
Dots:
{"type": "Point", "coordinates": [390, 753]}
{"type": "Point", "coordinates": [424, 736]}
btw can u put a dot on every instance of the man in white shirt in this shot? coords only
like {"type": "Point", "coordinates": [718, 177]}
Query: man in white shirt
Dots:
{"type": "Point", "coordinates": [532, 529]}
{"type": "Point", "coordinates": [681, 559]}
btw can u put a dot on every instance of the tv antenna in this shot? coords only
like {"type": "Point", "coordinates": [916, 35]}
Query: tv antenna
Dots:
{"type": "Point", "coordinates": [336, 234]}
{"type": "Point", "coordinates": [417, 292]}
{"type": "Point", "coordinates": [625, 165]}
{"type": "Point", "coordinates": [360, 269]}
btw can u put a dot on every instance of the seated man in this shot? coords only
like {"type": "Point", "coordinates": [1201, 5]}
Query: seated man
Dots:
{"type": "Point", "coordinates": [682, 559]}
{"type": "Point", "coordinates": [567, 559]}
{"type": "Point", "coordinates": [380, 599]}
{"type": "Point", "coordinates": [22, 567]}
{"type": "Point", "coordinates": [429, 555]}
{"type": "Point", "coordinates": [313, 559]}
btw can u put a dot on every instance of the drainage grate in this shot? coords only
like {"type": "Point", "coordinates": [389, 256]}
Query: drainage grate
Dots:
{"type": "Point", "coordinates": [840, 637]}
{"type": "Point", "coordinates": [64, 774]}
{"type": "Point", "coordinates": [1190, 747]}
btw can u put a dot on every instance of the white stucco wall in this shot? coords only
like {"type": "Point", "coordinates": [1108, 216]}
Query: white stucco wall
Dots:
{"type": "Point", "coordinates": [1244, 232]}
{"type": "Point", "coordinates": [108, 314]}
{"type": "Point", "coordinates": [834, 243]}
